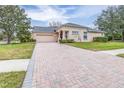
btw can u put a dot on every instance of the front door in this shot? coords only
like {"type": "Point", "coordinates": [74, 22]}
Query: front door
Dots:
{"type": "Point", "coordinates": [66, 34]}
{"type": "Point", "coordinates": [61, 34]}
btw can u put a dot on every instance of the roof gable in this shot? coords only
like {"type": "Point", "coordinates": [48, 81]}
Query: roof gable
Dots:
{"type": "Point", "coordinates": [73, 25]}
{"type": "Point", "coordinates": [80, 26]}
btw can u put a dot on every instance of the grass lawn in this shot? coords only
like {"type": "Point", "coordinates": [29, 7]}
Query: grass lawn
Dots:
{"type": "Point", "coordinates": [11, 79]}
{"type": "Point", "coordinates": [96, 46]}
{"type": "Point", "coordinates": [16, 51]}
{"type": "Point", "coordinates": [121, 55]}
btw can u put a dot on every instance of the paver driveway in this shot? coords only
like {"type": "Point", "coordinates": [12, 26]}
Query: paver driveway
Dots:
{"type": "Point", "coordinates": [59, 65]}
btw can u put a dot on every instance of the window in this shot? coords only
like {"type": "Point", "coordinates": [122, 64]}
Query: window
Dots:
{"type": "Point", "coordinates": [85, 35]}
{"type": "Point", "coordinates": [75, 33]}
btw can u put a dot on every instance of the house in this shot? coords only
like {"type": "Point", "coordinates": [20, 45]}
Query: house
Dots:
{"type": "Point", "coordinates": [73, 31]}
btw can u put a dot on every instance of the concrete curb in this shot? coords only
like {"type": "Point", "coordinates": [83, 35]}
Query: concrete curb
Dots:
{"type": "Point", "coordinates": [27, 83]}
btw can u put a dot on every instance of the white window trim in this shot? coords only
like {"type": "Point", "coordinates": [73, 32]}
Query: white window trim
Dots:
{"type": "Point", "coordinates": [77, 33]}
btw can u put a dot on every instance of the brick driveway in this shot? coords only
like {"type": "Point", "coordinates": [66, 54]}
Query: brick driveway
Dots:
{"type": "Point", "coordinates": [65, 66]}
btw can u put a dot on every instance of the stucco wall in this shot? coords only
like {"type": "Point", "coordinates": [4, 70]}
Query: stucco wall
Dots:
{"type": "Point", "coordinates": [91, 35]}
{"type": "Point", "coordinates": [80, 36]}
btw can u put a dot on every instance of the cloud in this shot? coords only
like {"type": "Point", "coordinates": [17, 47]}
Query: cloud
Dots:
{"type": "Point", "coordinates": [64, 14]}
{"type": "Point", "coordinates": [48, 13]}
{"type": "Point", "coordinates": [88, 11]}
{"type": "Point", "coordinates": [86, 15]}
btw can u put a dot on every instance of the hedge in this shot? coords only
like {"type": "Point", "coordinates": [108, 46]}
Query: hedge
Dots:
{"type": "Point", "coordinates": [66, 41]}
{"type": "Point", "coordinates": [100, 39]}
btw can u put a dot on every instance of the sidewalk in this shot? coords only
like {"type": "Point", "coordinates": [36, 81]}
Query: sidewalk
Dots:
{"type": "Point", "coordinates": [14, 65]}
{"type": "Point", "coordinates": [113, 52]}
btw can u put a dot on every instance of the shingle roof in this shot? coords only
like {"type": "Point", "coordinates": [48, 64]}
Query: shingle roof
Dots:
{"type": "Point", "coordinates": [74, 25]}
{"type": "Point", "coordinates": [43, 29]}
{"type": "Point", "coordinates": [80, 26]}
{"type": "Point", "coordinates": [52, 29]}
{"type": "Point", "coordinates": [94, 30]}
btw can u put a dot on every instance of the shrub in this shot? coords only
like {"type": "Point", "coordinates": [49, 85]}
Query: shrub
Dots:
{"type": "Point", "coordinates": [66, 41]}
{"type": "Point", "coordinates": [32, 40]}
{"type": "Point", "coordinates": [24, 36]}
{"type": "Point", "coordinates": [109, 38]}
{"type": "Point", "coordinates": [100, 39]}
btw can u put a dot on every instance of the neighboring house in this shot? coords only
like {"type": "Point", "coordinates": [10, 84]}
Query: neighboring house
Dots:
{"type": "Point", "coordinates": [66, 31]}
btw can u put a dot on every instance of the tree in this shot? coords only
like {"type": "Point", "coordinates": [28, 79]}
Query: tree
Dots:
{"type": "Point", "coordinates": [1, 36]}
{"type": "Point", "coordinates": [23, 34]}
{"type": "Point", "coordinates": [11, 19]}
{"type": "Point", "coordinates": [55, 24]}
{"type": "Point", "coordinates": [108, 21]}
{"type": "Point", "coordinates": [121, 19]}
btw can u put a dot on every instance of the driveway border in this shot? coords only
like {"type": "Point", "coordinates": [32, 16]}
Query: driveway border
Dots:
{"type": "Point", "coordinates": [27, 83]}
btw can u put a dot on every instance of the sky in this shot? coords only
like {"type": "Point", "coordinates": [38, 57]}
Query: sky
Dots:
{"type": "Point", "coordinates": [85, 15]}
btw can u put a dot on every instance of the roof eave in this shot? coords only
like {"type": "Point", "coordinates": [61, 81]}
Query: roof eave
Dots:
{"type": "Point", "coordinates": [96, 31]}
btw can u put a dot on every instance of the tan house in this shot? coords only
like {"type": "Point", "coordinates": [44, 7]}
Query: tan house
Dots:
{"type": "Point", "coordinates": [66, 31]}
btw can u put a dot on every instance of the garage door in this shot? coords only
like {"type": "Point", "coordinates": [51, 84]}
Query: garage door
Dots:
{"type": "Point", "coordinates": [45, 38]}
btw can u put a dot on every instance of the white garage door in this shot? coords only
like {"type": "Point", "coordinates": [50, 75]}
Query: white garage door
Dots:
{"type": "Point", "coordinates": [45, 38]}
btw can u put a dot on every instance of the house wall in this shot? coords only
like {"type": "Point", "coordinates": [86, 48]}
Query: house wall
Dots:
{"type": "Point", "coordinates": [77, 38]}
{"type": "Point", "coordinates": [45, 36]}
{"type": "Point", "coordinates": [80, 36]}
{"type": "Point", "coordinates": [35, 34]}
{"type": "Point", "coordinates": [91, 35]}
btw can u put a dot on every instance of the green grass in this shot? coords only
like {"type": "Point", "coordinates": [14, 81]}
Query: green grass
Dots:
{"type": "Point", "coordinates": [11, 79]}
{"type": "Point", "coordinates": [96, 46]}
{"type": "Point", "coordinates": [121, 55]}
{"type": "Point", "coordinates": [16, 51]}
